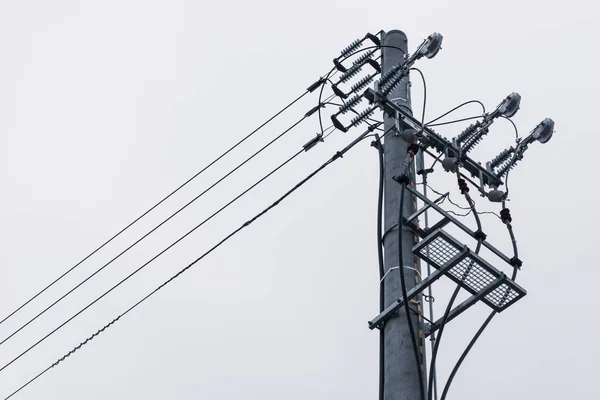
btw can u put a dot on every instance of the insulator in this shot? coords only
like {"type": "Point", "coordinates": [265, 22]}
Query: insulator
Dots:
{"type": "Point", "coordinates": [362, 116]}
{"type": "Point", "coordinates": [351, 47]}
{"type": "Point", "coordinates": [503, 156]}
{"type": "Point", "coordinates": [362, 83]}
{"type": "Point", "coordinates": [504, 169]}
{"type": "Point", "coordinates": [474, 140]}
{"type": "Point", "coordinates": [468, 132]}
{"type": "Point", "coordinates": [364, 57]}
{"type": "Point", "coordinates": [394, 82]}
{"type": "Point", "coordinates": [351, 72]}
{"type": "Point", "coordinates": [351, 103]}
{"type": "Point", "coordinates": [385, 78]}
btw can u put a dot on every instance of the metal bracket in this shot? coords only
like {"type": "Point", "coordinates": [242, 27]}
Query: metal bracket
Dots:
{"type": "Point", "coordinates": [378, 321]}
{"type": "Point", "coordinates": [431, 138]}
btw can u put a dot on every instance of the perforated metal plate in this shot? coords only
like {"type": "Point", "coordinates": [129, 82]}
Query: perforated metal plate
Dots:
{"type": "Point", "coordinates": [469, 270]}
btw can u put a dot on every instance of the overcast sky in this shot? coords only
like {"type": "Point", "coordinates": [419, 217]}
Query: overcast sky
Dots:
{"type": "Point", "coordinates": [105, 107]}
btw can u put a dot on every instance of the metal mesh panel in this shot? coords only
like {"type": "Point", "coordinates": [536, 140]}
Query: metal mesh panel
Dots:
{"type": "Point", "coordinates": [471, 272]}
{"type": "Point", "coordinates": [502, 295]}
{"type": "Point", "coordinates": [440, 251]}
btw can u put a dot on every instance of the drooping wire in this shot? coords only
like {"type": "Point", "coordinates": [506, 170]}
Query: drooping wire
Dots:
{"type": "Point", "coordinates": [403, 282]}
{"type": "Point", "coordinates": [484, 325]}
{"type": "Point", "coordinates": [456, 108]}
{"type": "Point", "coordinates": [379, 146]}
{"type": "Point", "coordinates": [458, 287]}
{"type": "Point", "coordinates": [152, 259]}
{"type": "Point", "coordinates": [154, 206]}
{"type": "Point", "coordinates": [455, 121]}
{"type": "Point", "coordinates": [152, 231]}
{"type": "Point", "coordinates": [424, 97]}
{"type": "Point", "coordinates": [336, 156]}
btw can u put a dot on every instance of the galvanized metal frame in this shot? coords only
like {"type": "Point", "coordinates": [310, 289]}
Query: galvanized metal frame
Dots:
{"type": "Point", "coordinates": [510, 284]}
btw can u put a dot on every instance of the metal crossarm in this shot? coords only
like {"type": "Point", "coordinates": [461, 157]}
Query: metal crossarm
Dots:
{"type": "Point", "coordinates": [430, 138]}
{"type": "Point", "coordinates": [456, 222]}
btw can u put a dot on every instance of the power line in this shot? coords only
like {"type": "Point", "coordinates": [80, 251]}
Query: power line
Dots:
{"type": "Point", "coordinates": [152, 259]}
{"type": "Point", "coordinates": [156, 205]}
{"type": "Point", "coordinates": [154, 229]}
{"type": "Point", "coordinates": [336, 156]}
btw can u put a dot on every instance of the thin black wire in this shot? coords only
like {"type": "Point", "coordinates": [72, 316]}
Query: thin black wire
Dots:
{"type": "Point", "coordinates": [483, 326]}
{"type": "Point", "coordinates": [455, 121]}
{"type": "Point", "coordinates": [424, 97]}
{"type": "Point", "coordinates": [379, 146]}
{"type": "Point", "coordinates": [152, 230]}
{"type": "Point", "coordinates": [336, 156]}
{"type": "Point", "coordinates": [514, 126]}
{"type": "Point", "coordinates": [405, 295]}
{"type": "Point", "coordinates": [151, 260]}
{"type": "Point", "coordinates": [456, 108]}
{"type": "Point", "coordinates": [456, 291]}
{"type": "Point", "coordinates": [154, 206]}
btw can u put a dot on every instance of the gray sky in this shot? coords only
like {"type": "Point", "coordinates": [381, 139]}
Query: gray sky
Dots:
{"type": "Point", "coordinates": [107, 106]}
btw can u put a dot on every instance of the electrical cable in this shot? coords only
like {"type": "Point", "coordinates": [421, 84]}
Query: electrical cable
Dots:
{"type": "Point", "coordinates": [152, 230]}
{"type": "Point", "coordinates": [379, 146]}
{"type": "Point", "coordinates": [514, 126]}
{"type": "Point", "coordinates": [424, 97]}
{"type": "Point", "coordinates": [152, 259]}
{"type": "Point", "coordinates": [435, 349]}
{"type": "Point", "coordinates": [336, 156]}
{"type": "Point", "coordinates": [483, 326]}
{"type": "Point", "coordinates": [455, 121]}
{"type": "Point", "coordinates": [403, 282]}
{"type": "Point", "coordinates": [456, 108]}
{"type": "Point", "coordinates": [154, 206]}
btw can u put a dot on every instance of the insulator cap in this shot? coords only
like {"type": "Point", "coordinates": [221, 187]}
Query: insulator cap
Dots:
{"type": "Point", "coordinates": [450, 164]}
{"type": "Point", "coordinates": [495, 196]}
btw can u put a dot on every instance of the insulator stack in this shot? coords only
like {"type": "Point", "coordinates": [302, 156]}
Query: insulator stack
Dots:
{"type": "Point", "coordinates": [351, 72]}
{"type": "Point", "coordinates": [364, 57]}
{"type": "Point", "coordinates": [503, 170]}
{"type": "Point", "coordinates": [353, 102]}
{"type": "Point", "coordinates": [474, 140]}
{"type": "Point", "coordinates": [362, 116]}
{"type": "Point", "coordinates": [385, 78]}
{"type": "Point", "coordinates": [362, 83]}
{"type": "Point", "coordinates": [500, 158]}
{"type": "Point", "coordinates": [395, 80]}
{"type": "Point", "coordinates": [352, 47]}
{"type": "Point", "coordinates": [467, 133]}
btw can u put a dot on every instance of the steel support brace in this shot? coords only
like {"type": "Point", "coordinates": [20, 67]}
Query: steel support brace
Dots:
{"type": "Point", "coordinates": [458, 223]}
{"type": "Point", "coordinates": [466, 304]}
{"type": "Point", "coordinates": [378, 321]}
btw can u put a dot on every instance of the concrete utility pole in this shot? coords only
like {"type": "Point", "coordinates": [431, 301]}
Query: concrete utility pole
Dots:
{"type": "Point", "coordinates": [400, 374]}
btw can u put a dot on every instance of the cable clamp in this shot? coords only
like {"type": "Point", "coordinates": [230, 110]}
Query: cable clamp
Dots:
{"type": "Point", "coordinates": [516, 262]}
{"type": "Point", "coordinates": [313, 142]}
{"type": "Point", "coordinates": [462, 185]}
{"type": "Point", "coordinates": [479, 235]}
{"type": "Point", "coordinates": [413, 149]}
{"type": "Point", "coordinates": [315, 85]}
{"type": "Point", "coordinates": [402, 179]}
{"type": "Point", "coordinates": [505, 216]}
